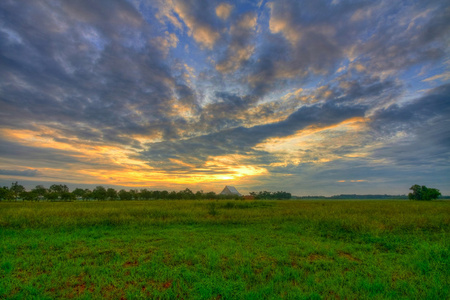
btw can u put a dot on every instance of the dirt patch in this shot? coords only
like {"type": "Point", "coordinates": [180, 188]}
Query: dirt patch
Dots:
{"type": "Point", "coordinates": [314, 257]}
{"type": "Point", "coordinates": [79, 288]}
{"type": "Point", "coordinates": [110, 291]}
{"type": "Point", "coordinates": [333, 295]}
{"type": "Point", "coordinates": [129, 264]}
{"type": "Point", "coordinates": [349, 256]}
{"type": "Point", "coordinates": [167, 284]}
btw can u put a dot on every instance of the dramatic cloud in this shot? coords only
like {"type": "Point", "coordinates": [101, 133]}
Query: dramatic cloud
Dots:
{"type": "Point", "coordinates": [311, 97]}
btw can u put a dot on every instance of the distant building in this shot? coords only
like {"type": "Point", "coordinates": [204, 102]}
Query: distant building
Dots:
{"type": "Point", "coordinates": [230, 190]}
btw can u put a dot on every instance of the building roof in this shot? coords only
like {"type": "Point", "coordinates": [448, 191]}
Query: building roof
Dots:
{"type": "Point", "coordinates": [230, 190]}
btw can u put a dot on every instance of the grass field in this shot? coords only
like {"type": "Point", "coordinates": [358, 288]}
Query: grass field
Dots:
{"type": "Point", "coordinates": [225, 250]}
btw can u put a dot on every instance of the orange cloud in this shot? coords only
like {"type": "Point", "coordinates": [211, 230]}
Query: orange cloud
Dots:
{"type": "Point", "coordinates": [316, 144]}
{"type": "Point", "coordinates": [117, 165]}
{"type": "Point", "coordinates": [223, 10]}
{"type": "Point", "coordinates": [202, 33]}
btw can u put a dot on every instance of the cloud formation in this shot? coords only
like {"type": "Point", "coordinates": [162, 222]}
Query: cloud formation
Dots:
{"type": "Point", "coordinates": [25, 173]}
{"type": "Point", "coordinates": [311, 97]}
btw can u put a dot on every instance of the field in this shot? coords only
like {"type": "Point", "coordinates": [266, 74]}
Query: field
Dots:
{"type": "Point", "coordinates": [225, 250]}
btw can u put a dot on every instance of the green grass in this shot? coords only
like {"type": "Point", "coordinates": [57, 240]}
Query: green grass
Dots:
{"type": "Point", "coordinates": [225, 250]}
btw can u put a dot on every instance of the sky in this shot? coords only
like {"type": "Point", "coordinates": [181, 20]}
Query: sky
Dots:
{"type": "Point", "coordinates": [310, 97]}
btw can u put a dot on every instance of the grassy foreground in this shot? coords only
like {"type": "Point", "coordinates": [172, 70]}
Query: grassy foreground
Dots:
{"type": "Point", "coordinates": [225, 250]}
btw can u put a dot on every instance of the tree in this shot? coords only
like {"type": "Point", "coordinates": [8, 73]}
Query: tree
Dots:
{"type": "Point", "coordinates": [134, 194]}
{"type": "Point", "coordinates": [58, 188]}
{"type": "Point", "coordinates": [145, 194]}
{"type": "Point", "coordinates": [422, 193]}
{"type": "Point", "coordinates": [186, 194]}
{"type": "Point", "coordinates": [6, 194]}
{"type": "Point", "coordinates": [432, 194]}
{"type": "Point", "coordinates": [17, 189]}
{"type": "Point", "coordinates": [40, 191]}
{"type": "Point", "coordinates": [58, 192]}
{"type": "Point", "coordinates": [66, 196]}
{"type": "Point", "coordinates": [199, 195]}
{"type": "Point", "coordinates": [99, 193]}
{"type": "Point", "coordinates": [124, 195]}
{"type": "Point", "coordinates": [28, 196]}
{"type": "Point", "coordinates": [111, 194]}
{"type": "Point", "coordinates": [79, 193]}
{"type": "Point", "coordinates": [211, 195]}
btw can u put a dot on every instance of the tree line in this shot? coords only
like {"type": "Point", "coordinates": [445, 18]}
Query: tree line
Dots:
{"type": "Point", "coordinates": [60, 192]}
{"type": "Point", "coordinates": [271, 195]}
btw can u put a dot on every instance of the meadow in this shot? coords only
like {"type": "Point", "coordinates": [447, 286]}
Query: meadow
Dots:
{"type": "Point", "coordinates": [204, 249]}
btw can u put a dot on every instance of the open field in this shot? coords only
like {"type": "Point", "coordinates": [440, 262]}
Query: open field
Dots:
{"type": "Point", "coordinates": [225, 250]}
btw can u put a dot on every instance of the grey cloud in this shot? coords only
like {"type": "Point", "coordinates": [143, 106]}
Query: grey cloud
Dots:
{"type": "Point", "coordinates": [25, 173]}
{"type": "Point", "coordinates": [227, 112]}
{"type": "Point", "coordinates": [200, 18]}
{"type": "Point", "coordinates": [83, 63]}
{"type": "Point", "coordinates": [426, 125]}
{"type": "Point", "coordinates": [404, 41]}
{"type": "Point", "coordinates": [308, 37]}
{"type": "Point", "coordinates": [319, 36]}
{"type": "Point", "coordinates": [37, 155]}
{"type": "Point", "coordinates": [432, 107]}
{"type": "Point", "coordinates": [241, 45]}
{"type": "Point", "coordinates": [271, 56]}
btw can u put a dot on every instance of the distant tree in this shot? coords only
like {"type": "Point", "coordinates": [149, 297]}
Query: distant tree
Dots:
{"type": "Point", "coordinates": [40, 190]}
{"type": "Point", "coordinates": [17, 189]}
{"type": "Point", "coordinates": [186, 194]}
{"type": "Point", "coordinates": [58, 192]}
{"type": "Point", "coordinates": [163, 194]}
{"type": "Point", "coordinates": [6, 194]}
{"type": "Point", "coordinates": [66, 196]}
{"type": "Point", "coordinates": [111, 194]}
{"type": "Point", "coordinates": [53, 196]}
{"type": "Point", "coordinates": [134, 194]}
{"type": "Point", "coordinates": [79, 193]}
{"type": "Point", "coordinates": [432, 194]}
{"type": "Point", "coordinates": [422, 193]}
{"type": "Point", "coordinates": [199, 195]}
{"type": "Point", "coordinates": [124, 195]}
{"type": "Point", "coordinates": [172, 195]}
{"type": "Point", "coordinates": [280, 195]}
{"type": "Point", "coordinates": [145, 194]}
{"type": "Point", "coordinates": [99, 193]}
{"type": "Point", "coordinates": [58, 188]}
{"type": "Point", "coordinates": [28, 196]}
{"type": "Point", "coordinates": [87, 194]}
{"type": "Point", "coordinates": [210, 195]}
